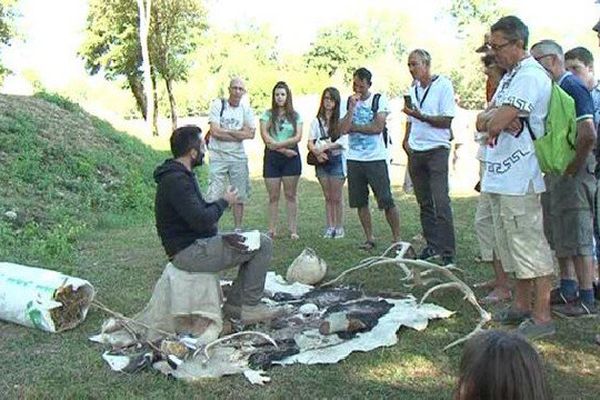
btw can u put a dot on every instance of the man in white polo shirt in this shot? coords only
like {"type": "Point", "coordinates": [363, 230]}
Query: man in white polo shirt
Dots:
{"type": "Point", "coordinates": [513, 179]}
{"type": "Point", "coordinates": [427, 144]}
{"type": "Point", "coordinates": [231, 122]}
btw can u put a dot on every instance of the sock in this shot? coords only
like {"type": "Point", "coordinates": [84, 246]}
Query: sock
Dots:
{"type": "Point", "coordinates": [587, 296]}
{"type": "Point", "coordinates": [568, 287]}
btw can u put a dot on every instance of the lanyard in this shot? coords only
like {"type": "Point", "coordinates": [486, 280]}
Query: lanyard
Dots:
{"type": "Point", "coordinates": [426, 92]}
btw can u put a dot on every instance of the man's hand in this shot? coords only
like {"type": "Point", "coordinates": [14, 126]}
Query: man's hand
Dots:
{"type": "Point", "coordinates": [230, 195]}
{"type": "Point", "coordinates": [353, 101]}
{"type": "Point", "coordinates": [515, 126]}
{"type": "Point", "coordinates": [235, 241]}
{"type": "Point", "coordinates": [413, 112]}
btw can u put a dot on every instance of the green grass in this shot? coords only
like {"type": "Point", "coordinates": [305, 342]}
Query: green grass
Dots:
{"type": "Point", "coordinates": [107, 236]}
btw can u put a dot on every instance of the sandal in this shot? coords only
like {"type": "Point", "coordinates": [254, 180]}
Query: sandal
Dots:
{"type": "Point", "coordinates": [294, 236]}
{"type": "Point", "coordinates": [367, 245]}
{"type": "Point", "coordinates": [272, 235]}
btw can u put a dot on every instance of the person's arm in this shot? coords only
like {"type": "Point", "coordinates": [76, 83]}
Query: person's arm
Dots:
{"type": "Point", "coordinates": [586, 139]}
{"type": "Point", "coordinates": [407, 129]}
{"type": "Point", "coordinates": [225, 135]}
{"type": "Point", "coordinates": [441, 121]}
{"type": "Point", "coordinates": [270, 143]}
{"type": "Point", "coordinates": [346, 121]}
{"type": "Point", "coordinates": [294, 140]}
{"type": "Point", "coordinates": [196, 212]}
{"type": "Point", "coordinates": [375, 127]}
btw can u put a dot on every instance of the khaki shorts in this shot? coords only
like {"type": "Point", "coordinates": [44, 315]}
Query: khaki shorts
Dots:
{"type": "Point", "coordinates": [484, 227]}
{"type": "Point", "coordinates": [519, 234]}
{"type": "Point", "coordinates": [225, 173]}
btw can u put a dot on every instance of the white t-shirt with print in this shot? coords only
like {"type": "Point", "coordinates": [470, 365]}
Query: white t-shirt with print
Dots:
{"type": "Point", "coordinates": [363, 147]}
{"type": "Point", "coordinates": [511, 164]}
{"type": "Point", "coordinates": [436, 100]}
{"type": "Point", "coordinates": [233, 118]}
{"type": "Point", "coordinates": [315, 134]}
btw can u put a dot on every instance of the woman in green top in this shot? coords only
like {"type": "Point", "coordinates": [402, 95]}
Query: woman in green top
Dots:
{"type": "Point", "coordinates": [281, 130]}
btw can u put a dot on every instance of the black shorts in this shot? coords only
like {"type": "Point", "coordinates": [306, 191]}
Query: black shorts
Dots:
{"type": "Point", "coordinates": [277, 165]}
{"type": "Point", "coordinates": [361, 175]}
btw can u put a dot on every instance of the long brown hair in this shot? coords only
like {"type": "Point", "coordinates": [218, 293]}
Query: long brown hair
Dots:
{"type": "Point", "coordinates": [499, 365]}
{"type": "Point", "coordinates": [333, 122]}
{"type": "Point", "coordinates": [288, 107]}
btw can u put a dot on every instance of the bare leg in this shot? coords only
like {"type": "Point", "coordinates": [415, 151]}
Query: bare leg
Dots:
{"type": "Point", "coordinates": [584, 266]}
{"type": "Point", "coordinates": [541, 305]}
{"type": "Point", "coordinates": [364, 215]}
{"type": "Point", "coordinates": [337, 200]}
{"type": "Point", "coordinates": [273, 189]}
{"type": "Point", "coordinates": [290, 190]}
{"type": "Point", "coordinates": [393, 219]}
{"type": "Point", "coordinates": [326, 186]}
{"type": "Point", "coordinates": [567, 270]}
{"type": "Point", "coordinates": [238, 214]}
{"type": "Point", "coordinates": [522, 299]}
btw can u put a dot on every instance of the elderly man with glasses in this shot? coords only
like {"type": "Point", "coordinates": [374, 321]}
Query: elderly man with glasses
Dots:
{"type": "Point", "coordinates": [231, 122]}
{"type": "Point", "coordinates": [513, 180]}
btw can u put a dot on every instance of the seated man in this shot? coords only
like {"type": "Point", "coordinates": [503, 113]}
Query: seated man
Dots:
{"type": "Point", "coordinates": [187, 226]}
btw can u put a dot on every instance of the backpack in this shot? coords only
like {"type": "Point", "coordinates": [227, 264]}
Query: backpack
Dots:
{"type": "Point", "coordinates": [556, 148]}
{"type": "Point", "coordinates": [207, 136]}
{"type": "Point", "coordinates": [375, 107]}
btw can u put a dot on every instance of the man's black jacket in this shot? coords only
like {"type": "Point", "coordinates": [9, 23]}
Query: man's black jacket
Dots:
{"type": "Point", "coordinates": [182, 215]}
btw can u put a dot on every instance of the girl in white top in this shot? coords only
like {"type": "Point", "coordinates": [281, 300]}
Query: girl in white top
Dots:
{"type": "Point", "coordinates": [328, 147]}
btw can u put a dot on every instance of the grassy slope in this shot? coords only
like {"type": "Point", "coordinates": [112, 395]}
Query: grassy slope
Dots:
{"type": "Point", "coordinates": [122, 257]}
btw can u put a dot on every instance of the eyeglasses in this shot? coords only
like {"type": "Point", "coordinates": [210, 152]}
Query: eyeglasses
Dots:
{"type": "Point", "coordinates": [542, 56]}
{"type": "Point", "coordinates": [496, 47]}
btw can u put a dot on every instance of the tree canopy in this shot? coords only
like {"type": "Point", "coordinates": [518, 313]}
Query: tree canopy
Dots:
{"type": "Point", "coordinates": [7, 31]}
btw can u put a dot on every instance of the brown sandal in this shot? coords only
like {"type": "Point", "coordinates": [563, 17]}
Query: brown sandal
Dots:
{"type": "Point", "coordinates": [367, 245]}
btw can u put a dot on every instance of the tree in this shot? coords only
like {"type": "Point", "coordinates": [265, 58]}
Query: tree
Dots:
{"type": "Point", "coordinates": [176, 29]}
{"type": "Point", "coordinates": [467, 12]}
{"type": "Point", "coordinates": [112, 43]}
{"type": "Point", "coordinates": [144, 13]}
{"type": "Point", "coordinates": [340, 48]}
{"type": "Point", "coordinates": [7, 17]}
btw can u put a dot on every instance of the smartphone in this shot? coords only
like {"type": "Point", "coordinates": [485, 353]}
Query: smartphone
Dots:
{"type": "Point", "coordinates": [407, 101]}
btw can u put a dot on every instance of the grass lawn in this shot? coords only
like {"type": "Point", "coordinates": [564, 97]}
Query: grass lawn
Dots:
{"type": "Point", "coordinates": [124, 260]}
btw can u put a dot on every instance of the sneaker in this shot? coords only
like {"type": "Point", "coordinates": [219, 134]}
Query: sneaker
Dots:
{"type": "Point", "coordinates": [510, 316]}
{"type": "Point", "coordinates": [597, 290]}
{"type": "Point", "coordinates": [252, 314]}
{"type": "Point", "coordinates": [558, 298]}
{"type": "Point", "coordinates": [531, 330]}
{"type": "Point", "coordinates": [339, 233]}
{"type": "Point", "coordinates": [329, 233]}
{"type": "Point", "coordinates": [428, 253]}
{"type": "Point", "coordinates": [575, 310]}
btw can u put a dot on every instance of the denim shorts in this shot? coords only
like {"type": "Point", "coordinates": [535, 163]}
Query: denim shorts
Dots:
{"type": "Point", "coordinates": [334, 168]}
{"type": "Point", "coordinates": [277, 165]}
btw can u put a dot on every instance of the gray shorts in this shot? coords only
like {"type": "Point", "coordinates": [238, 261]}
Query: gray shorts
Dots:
{"type": "Point", "coordinates": [365, 174]}
{"type": "Point", "coordinates": [568, 210]}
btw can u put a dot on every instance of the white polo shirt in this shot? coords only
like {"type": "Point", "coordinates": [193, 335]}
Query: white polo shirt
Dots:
{"type": "Point", "coordinates": [436, 100]}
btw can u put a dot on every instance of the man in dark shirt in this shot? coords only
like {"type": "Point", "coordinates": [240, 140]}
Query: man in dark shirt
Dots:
{"type": "Point", "coordinates": [188, 229]}
{"type": "Point", "coordinates": [570, 201]}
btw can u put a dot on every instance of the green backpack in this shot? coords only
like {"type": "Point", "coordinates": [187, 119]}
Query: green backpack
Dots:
{"type": "Point", "coordinates": [556, 148]}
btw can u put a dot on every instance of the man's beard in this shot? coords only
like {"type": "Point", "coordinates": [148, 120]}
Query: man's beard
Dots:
{"type": "Point", "coordinates": [198, 161]}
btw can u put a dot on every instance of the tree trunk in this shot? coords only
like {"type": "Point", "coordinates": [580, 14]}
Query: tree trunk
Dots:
{"type": "Point", "coordinates": [155, 105]}
{"type": "Point", "coordinates": [137, 89]}
{"type": "Point", "coordinates": [169, 85]}
{"type": "Point", "coordinates": [144, 7]}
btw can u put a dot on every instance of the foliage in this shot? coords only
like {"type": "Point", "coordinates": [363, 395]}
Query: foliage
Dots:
{"type": "Point", "coordinates": [342, 48]}
{"type": "Point", "coordinates": [112, 45]}
{"type": "Point", "coordinates": [7, 32]}
{"type": "Point", "coordinates": [468, 12]}
{"type": "Point", "coordinates": [62, 170]}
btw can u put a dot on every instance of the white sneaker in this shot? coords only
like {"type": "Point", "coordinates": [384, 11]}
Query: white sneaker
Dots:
{"type": "Point", "coordinates": [339, 233]}
{"type": "Point", "coordinates": [329, 233]}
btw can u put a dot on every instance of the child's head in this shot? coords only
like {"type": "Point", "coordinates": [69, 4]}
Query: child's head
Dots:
{"type": "Point", "coordinates": [499, 365]}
